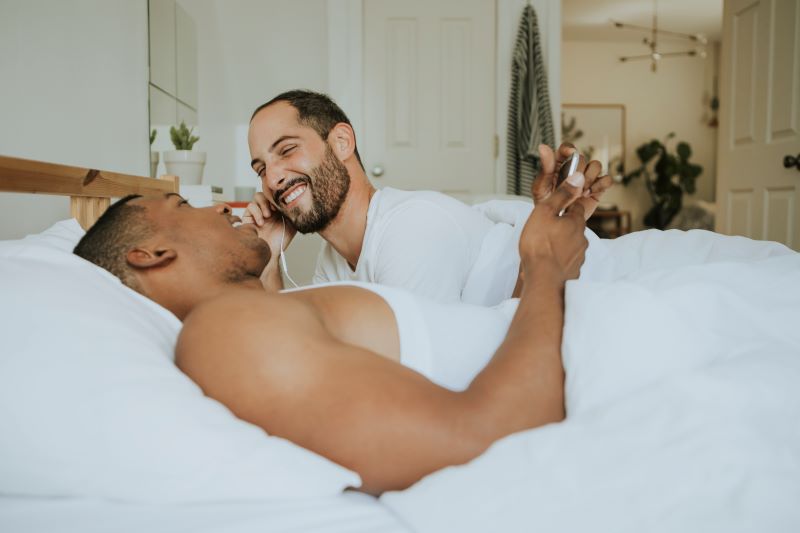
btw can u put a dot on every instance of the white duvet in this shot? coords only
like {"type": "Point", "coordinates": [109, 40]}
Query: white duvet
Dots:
{"type": "Point", "coordinates": [682, 356]}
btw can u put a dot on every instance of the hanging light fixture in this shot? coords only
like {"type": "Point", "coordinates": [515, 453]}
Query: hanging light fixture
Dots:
{"type": "Point", "coordinates": [651, 41]}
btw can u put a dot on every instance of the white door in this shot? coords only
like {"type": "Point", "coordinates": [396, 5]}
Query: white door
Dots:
{"type": "Point", "coordinates": [760, 121]}
{"type": "Point", "coordinates": [429, 78]}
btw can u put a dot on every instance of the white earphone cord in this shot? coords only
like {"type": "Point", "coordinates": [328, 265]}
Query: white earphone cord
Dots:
{"type": "Point", "coordinates": [283, 256]}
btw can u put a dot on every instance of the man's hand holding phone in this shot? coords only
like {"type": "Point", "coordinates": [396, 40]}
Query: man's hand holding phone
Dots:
{"type": "Point", "coordinates": [554, 163]}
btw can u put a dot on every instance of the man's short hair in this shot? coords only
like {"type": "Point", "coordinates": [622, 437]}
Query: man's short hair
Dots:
{"type": "Point", "coordinates": [120, 229]}
{"type": "Point", "coordinates": [315, 110]}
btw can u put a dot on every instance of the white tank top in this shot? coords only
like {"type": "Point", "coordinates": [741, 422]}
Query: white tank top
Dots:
{"type": "Point", "coordinates": [447, 343]}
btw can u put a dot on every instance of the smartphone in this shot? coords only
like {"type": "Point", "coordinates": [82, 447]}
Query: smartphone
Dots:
{"type": "Point", "coordinates": [568, 167]}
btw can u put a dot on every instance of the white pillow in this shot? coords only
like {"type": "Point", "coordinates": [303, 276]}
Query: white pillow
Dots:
{"type": "Point", "coordinates": [63, 235]}
{"type": "Point", "coordinates": [91, 403]}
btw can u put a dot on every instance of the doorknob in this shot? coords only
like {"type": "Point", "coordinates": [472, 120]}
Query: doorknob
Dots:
{"type": "Point", "coordinates": [791, 161]}
{"type": "Point", "coordinates": [377, 171]}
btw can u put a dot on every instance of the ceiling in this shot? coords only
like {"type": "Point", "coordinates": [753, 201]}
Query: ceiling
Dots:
{"type": "Point", "coordinates": [590, 19]}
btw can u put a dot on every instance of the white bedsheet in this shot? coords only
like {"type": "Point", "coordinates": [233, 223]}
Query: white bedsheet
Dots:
{"type": "Point", "coordinates": [683, 395]}
{"type": "Point", "coordinates": [348, 513]}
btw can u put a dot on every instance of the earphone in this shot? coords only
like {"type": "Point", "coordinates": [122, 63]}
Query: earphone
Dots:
{"type": "Point", "coordinates": [283, 255]}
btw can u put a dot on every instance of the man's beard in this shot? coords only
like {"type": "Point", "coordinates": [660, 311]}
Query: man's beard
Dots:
{"type": "Point", "coordinates": [328, 184]}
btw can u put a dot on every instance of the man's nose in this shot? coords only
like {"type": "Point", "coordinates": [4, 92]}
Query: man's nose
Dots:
{"type": "Point", "coordinates": [222, 209]}
{"type": "Point", "coordinates": [226, 211]}
{"type": "Point", "coordinates": [274, 179]}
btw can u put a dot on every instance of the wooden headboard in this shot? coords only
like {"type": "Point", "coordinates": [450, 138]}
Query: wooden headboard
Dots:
{"type": "Point", "coordinates": [90, 190]}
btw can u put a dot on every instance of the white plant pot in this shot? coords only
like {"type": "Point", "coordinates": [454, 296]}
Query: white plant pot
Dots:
{"type": "Point", "coordinates": [185, 164]}
{"type": "Point", "coordinates": [153, 163]}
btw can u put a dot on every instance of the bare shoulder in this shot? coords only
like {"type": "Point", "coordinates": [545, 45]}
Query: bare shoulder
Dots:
{"type": "Point", "coordinates": [261, 355]}
{"type": "Point", "coordinates": [239, 328]}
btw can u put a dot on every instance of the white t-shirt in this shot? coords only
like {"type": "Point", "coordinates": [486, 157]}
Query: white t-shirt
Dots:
{"type": "Point", "coordinates": [425, 242]}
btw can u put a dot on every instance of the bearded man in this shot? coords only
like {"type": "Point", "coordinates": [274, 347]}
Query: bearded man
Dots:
{"type": "Point", "coordinates": [303, 149]}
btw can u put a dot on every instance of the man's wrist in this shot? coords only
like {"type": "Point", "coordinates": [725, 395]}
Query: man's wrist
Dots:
{"type": "Point", "coordinates": [272, 266]}
{"type": "Point", "coordinates": [542, 269]}
{"type": "Point", "coordinates": [271, 276]}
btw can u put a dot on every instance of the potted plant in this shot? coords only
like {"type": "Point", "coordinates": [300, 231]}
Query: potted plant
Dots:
{"type": "Point", "coordinates": [667, 176]}
{"type": "Point", "coordinates": [153, 155]}
{"type": "Point", "coordinates": [182, 162]}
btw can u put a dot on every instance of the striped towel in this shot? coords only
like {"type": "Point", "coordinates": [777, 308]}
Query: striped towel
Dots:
{"type": "Point", "coordinates": [530, 119]}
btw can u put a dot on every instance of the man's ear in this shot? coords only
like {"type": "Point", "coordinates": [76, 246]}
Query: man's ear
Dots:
{"type": "Point", "coordinates": [342, 139]}
{"type": "Point", "coordinates": [142, 258]}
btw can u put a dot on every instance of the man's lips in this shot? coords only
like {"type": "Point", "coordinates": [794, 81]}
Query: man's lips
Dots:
{"type": "Point", "coordinates": [237, 224]}
{"type": "Point", "coordinates": [292, 192]}
{"type": "Point", "coordinates": [292, 196]}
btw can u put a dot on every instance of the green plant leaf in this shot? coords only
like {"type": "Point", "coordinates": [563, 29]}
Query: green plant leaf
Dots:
{"type": "Point", "coordinates": [647, 151]}
{"type": "Point", "coordinates": [631, 175]}
{"type": "Point", "coordinates": [662, 185]}
{"type": "Point", "coordinates": [666, 166]}
{"type": "Point", "coordinates": [684, 151]}
{"type": "Point", "coordinates": [182, 137]}
{"type": "Point", "coordinates": [688, 185]}
{"type": "Point", "coordinates": [651, 217]}
{"type": "Point", "coordinates": [694, 170]}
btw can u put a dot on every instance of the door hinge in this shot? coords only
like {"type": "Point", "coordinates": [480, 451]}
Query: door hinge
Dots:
{"type": "Point", "coordinates": [496, 146]}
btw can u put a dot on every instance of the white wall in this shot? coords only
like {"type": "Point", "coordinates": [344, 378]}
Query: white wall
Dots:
{"type": "Point", "coordinates": [248, 52]}
{"type": "Point", "coordinates": [674, 99]}
{"type": "Point", "coordinates": [73, 91]}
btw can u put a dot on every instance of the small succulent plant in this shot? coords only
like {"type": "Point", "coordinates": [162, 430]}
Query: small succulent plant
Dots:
{"type": "Point", "coordinates": [152, 137]}
{"type": "Point", "coordinates": [182, 137]}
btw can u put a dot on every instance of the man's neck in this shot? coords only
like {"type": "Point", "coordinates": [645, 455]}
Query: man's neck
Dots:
{"type": "Point", "coordinates": [182, 302]}
{"type": "Point", "coordinates": [346, 232]}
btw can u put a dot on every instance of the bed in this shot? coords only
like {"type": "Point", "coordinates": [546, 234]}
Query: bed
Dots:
{"type": "Point", "coordinates": [682, 354]}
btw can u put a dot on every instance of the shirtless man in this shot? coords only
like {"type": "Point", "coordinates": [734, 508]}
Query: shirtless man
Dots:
{"type": "Point", "coordinates": [321, 366]}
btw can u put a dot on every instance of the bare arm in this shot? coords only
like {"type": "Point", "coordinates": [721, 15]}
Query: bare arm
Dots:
{"type": "Point", "coordinates": [370, 414]}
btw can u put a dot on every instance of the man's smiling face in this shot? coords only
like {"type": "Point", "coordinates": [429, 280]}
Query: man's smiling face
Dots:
{"type": "Point", "coordinates": [300, 174]}
{"type": "Point", "coordinates": [207, 237]}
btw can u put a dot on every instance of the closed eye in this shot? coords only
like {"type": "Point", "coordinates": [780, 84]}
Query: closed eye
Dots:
{"type": "Point", "coordinates": [289, 149]}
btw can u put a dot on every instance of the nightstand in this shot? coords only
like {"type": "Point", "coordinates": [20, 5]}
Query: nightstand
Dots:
{"type": "Point", "coordinates": [609, 224]}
